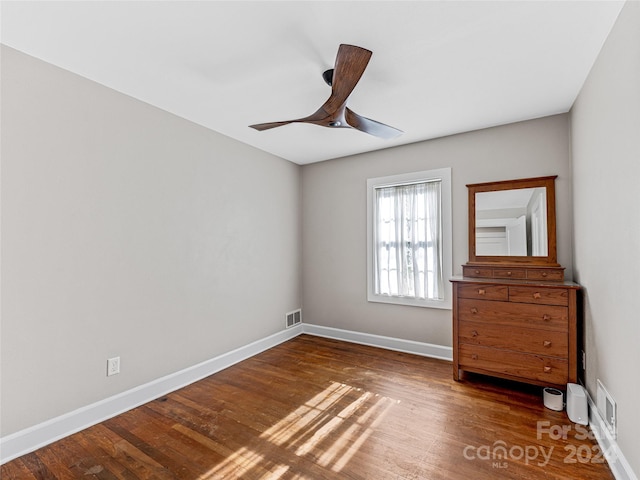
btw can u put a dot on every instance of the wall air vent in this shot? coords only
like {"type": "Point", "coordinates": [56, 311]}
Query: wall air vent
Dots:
{"type": "Point", "coordinates": [606, 407]}
{"type": "Point", "coordinates": [294, 318]}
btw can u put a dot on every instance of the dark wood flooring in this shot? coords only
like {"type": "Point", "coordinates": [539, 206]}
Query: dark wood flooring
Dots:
{"type": "Point", "coordinates": [314, 408]}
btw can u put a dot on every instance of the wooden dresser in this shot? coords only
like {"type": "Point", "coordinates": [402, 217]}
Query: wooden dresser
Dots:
{"type": "Point", "coordinates": [516, 326]}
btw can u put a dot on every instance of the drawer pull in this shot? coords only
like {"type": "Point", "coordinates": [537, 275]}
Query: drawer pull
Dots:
{"type": "Point", "coordinates": [544, 274]}
{"type": "Point", "coordinates": [537, 295]}
{"type": "Point", "coordinates": [482, 291]}
{"type": "Point", "coordinates": [474, 357]}
{"type": "Point", "coordinates": [508, 274]}
{"type": "Point", "coordinates": [546, 317]}
{"type": "Point", "coordinates": [546, 343]}
{"type": "Point", "coordinates": [547, 369]}
{"type": "Point", "coordinates": [474, 333]}
{"type": "Point", "coordinates": [474, 310]}
{"type": "Point", "coordinates": [477, 272]}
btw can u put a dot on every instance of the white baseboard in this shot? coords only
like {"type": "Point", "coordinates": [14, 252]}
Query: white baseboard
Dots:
{"type": "Point", "coordinates": [617, 462]}
{"type": "Point", "coordinates": [390, 343]}
{"type": "Point", "coordinates": [26, 441]}
{"type": "Point", "coordinates": [30, 439]}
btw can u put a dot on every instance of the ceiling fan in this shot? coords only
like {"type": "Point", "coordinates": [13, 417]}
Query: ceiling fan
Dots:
{"type": "Point", "coordinates": [351, 62]}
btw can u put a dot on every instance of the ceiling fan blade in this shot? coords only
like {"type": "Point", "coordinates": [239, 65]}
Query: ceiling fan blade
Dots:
{"type": "Point", "coordinates": [266, 126]}
{"type": "Point", "coordinates": [351, 62]}
{"type": "Point", "coordinates": [371, 127]}
{"type": "Point", "coordinates": [319, 116]}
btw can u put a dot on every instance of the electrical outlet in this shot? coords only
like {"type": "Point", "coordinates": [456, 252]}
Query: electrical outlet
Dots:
{"type": "Point", "coordinates": [113, 366]}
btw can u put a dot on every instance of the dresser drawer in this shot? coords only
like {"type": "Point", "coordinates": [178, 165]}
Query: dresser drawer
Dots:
{"type": "Point", "coordinates": [539, 295]}
{"type": "Point", "coordinates": [526, 340]}
{"type": "Point", "coordinates": [518, 273]}
{"type": "Point", "coordinates": [520, 315]}
{"type": "Point", "coordinates": [484, 292]}
{"type": "Point", "coordinates": [555, 275]}
{"type": "Point", "coordinates": [477, 272]}
{"type": "Point", "coordinates": [549, 370]}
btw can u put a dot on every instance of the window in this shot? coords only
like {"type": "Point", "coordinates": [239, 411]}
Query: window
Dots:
{"type": "Point", "coordinates": [409, 239]}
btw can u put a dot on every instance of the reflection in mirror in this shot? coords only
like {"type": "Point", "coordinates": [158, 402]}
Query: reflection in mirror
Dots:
{"type": "Point", "coordinates": [511, 222]}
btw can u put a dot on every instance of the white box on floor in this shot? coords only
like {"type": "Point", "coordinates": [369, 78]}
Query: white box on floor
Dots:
{"type": "Point", "coordinates": [577, 408]}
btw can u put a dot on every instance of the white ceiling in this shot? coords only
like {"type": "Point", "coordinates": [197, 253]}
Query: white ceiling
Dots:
{"type": "Point", "coordinates": [438, 67]}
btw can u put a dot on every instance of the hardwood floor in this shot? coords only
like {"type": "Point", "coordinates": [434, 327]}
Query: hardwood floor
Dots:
{"type": "Point", "coordinates": [314, 408]}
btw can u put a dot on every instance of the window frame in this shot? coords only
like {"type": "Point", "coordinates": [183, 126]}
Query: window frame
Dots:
{"type": "Point", "coordinates": [442, 174]}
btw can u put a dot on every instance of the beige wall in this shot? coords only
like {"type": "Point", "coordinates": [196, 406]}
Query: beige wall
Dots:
{"type": "Point", "coordinates": [129, 231]}
{"type": "Point", "coordinates": [334, 218]}
{"type": "Point", "coordinates": [606, 169]}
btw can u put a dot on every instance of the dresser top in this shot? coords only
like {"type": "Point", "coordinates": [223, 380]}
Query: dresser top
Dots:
{"type": "Point", "coordinates": [510, 281]}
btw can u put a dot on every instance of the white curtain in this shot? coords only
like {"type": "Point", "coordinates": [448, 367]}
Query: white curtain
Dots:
{"type": "Point", "coordinates": [408, 241]}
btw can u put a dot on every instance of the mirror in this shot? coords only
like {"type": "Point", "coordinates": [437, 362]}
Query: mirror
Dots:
{"type": "Point", "coordinates": [513, 222]}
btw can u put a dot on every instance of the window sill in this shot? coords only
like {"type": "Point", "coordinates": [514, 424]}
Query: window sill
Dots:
{"type": "Point", "coordinates": [411, 302]}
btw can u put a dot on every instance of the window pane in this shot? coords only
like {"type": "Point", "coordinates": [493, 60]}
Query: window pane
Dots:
{"type": "Point", "coordinates": [408, 241]}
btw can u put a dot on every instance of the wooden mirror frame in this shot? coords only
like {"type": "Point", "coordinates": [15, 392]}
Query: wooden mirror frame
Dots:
{"type": "Point", "coordinates": [552, 257]}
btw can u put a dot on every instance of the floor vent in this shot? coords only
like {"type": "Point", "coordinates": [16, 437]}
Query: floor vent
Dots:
{"type": "Point", "coordinates": [294, 318]}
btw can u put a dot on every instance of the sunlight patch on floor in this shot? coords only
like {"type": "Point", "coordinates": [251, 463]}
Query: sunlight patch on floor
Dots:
{"type": "Point", "coordinates": [238, 464]}
{"type": "Point", "coordinates": [356, 434]}
{"type": "Point", "coordinates": [306, 414]}
{"type": "Point", "coordinates": [313, 431]}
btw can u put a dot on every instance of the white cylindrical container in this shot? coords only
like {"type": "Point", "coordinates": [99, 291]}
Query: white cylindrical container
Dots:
{"type": "Point", "coordinates": [553, 399]}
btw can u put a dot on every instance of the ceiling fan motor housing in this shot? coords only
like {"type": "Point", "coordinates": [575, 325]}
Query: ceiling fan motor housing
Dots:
{"type": "Point", "coordinates": [327, 75]}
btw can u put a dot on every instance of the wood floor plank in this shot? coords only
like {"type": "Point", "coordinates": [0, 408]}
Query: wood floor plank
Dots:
{"type": "Point", "coordinates": [315, 408]}
{"type": "Point", "coordinates": [54, 459]}
{"type": "Point", "coordinates": [150, 437]}
{"type": "Point", "coordinates": [101, 439]}
{"type": "Point", "coordinates": [68, 459]}
{"type": "Point", "coordinates": [17, 469]}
